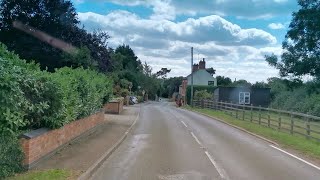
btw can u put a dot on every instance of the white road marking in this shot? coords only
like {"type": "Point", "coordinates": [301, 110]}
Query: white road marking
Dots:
{"type": "Point", "coordinates": [310, 164]}
{"type": "Point", "coordinates": [219, 169]}
{"type": "Point", "coordinates": [195, 137]}
{"type": "Point", "coordinates": [184, 124]}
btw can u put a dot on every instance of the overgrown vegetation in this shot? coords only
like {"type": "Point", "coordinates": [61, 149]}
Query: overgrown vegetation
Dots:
{"type": "Point", "coordinates": [11, 155]}
{"type": "Point", "coordinates": [202, 95]}
{"type": "Point", "coordinates": [31, 98]}
{"type": "Point", "coordinates": [209, 89]}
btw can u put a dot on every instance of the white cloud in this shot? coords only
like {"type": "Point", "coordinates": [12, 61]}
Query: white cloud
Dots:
{"type": "Point", "coordinates": [276, 26]}
{"type": "Point", "coordinates": [233, 51]}
{"type": "Point", "coordinates": [205, 29]}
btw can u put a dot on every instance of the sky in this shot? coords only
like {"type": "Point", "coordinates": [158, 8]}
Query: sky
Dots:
{"type": "Point", "coordinates": [232, 35]}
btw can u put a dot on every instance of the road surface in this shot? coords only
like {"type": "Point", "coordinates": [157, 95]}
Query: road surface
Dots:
{"type": "Point", "coordinates": [168, 143]}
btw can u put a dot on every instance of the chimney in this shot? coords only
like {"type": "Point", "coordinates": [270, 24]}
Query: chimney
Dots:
{"type": "Point", "coordinates": [202, 64]}
{"type": "Point", "coordinates": [195, 67]}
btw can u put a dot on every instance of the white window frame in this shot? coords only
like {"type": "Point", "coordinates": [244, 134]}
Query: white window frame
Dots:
{"type": "Point", "coordinates": [243, 96]}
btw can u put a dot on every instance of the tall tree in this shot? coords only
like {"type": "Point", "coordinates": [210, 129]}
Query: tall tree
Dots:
{"type": "Point", "coordinates": [223, 81]}
{"type": "Point", "coordinates": [302, 43]}
{"type": "Point", "coordinates": [57, 18]}
{"type": "Point", "coordinates": [130, 60]}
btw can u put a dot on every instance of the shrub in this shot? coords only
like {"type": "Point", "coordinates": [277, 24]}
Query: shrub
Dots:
{"type": "Point", "coordinates": [124, 92]}
{"type": "Point", "coordinates": [30, 98]}
{"type": "Point", "coordinates": [140, 99]}
{"type": "Point", "coordinates": [203, 94]}
{"type": "Point", "coordinates": [83, 93]}
{"type": "Point", "coordinates": [209, 89]}
{"type": "Point", "coordinates": [11, 155]}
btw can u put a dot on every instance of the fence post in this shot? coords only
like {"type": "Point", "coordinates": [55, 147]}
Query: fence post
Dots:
{"type": "Point", "coordinates": [291, 123]}
{"type": "Point", "coordinates": [308, 127]}
{"type": "Point", "coordinates": [251, 118]}
{"type": "Point", "coordinates": [243, 112]}
{"type": "Point", "coordinates": [268, 117]}
{"type": "Point", "coordinates": [279, 122]}
{"type": "Point", "coordinates": [202, 103]}
{"type": "Point", "coordinates": [236, 111]}
{"type": "Point", "coordinates": [259, 114]}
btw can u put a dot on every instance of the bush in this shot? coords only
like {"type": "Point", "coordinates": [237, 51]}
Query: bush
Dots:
{"type": "Point", "coordinates": [83, 93]}
{"type": "Point", "coordinates": [140, 99]}
{"type": "Point", "coordinates": [209, 89]}
{"type": "Point", "coordinates": [32, 99]}
{"type": "Point", "coordinates": [11, 155]}
{"type": "Point", "coordinates": [202, 95]}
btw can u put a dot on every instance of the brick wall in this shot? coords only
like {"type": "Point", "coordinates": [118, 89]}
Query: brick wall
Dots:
{"type": "Point", "coordinates": [114, 107]}
{"type": "Point", "coordinates": [39, 143]}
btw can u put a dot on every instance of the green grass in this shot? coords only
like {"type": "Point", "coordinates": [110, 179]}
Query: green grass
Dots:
{"type": "Point", "coordinates": [299, 143]}
{"type": "Point", "coordinates": [52, 174]}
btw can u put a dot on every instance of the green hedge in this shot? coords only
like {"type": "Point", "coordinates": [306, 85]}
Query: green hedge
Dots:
{"type": "Point", "coordinates": [11, 155]}
{"type": "Point", "coordinates": [31, 99]}
{"type": "Point", "coordinates": [209, 89]}
{"type": "Point", "coordinates": [83, 92]}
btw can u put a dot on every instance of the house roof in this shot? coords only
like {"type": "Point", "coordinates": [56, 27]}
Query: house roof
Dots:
{"type": "Point", "coordinates": [198, 71]}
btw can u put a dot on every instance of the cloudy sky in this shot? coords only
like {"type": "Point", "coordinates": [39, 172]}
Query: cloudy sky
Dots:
{"type": "Point", "coordinates": [233, 35]}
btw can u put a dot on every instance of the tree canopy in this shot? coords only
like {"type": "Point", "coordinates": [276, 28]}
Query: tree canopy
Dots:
{"type": "Point", "coordinates": [57, 18]}
{"type": "Point", "coordinates": [302, 43]}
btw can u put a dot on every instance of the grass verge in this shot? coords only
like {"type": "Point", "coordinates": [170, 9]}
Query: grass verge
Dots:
{"type": "Point", "coordinates": [52, 174]}
{"type": "Point", "coordinates": [309, 148]}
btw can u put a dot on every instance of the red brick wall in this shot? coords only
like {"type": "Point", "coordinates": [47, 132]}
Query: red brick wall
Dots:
{"type": "Point", "coordinates": [37, 147]}
{"type": "Point", "coordinates": [114, 107]}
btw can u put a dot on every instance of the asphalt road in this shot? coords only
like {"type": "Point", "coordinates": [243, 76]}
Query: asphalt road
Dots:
{"type": "Point", "coordinates": [168, 143]}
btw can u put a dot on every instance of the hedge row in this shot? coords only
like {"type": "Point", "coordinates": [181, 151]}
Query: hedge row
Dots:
{"type": "Point", "coordinates": [31, 99]}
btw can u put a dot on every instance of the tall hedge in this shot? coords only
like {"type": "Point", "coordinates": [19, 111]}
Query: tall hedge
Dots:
{"type": "Point", "coordinates": [209, 89]}
{"type": "Point", "coordinates": [31, 99]}
{"type": "Point", "coordinates": [83, 92]}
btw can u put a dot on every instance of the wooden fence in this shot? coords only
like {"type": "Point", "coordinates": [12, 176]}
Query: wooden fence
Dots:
{"type": "Point", "coordinates": [290, 122]}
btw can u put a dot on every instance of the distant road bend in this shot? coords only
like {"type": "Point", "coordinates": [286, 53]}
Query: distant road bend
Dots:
{"type": "Point", "coordinates": [168, 143]}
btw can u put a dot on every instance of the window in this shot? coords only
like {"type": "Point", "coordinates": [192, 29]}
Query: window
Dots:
{"type": "Point", "coordinates": [210, 83]}
{"type": "Point", "coordinates": [244, 98]}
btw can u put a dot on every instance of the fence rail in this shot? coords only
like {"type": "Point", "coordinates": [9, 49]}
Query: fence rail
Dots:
{"type": "Point", "coordinates": [285, 121]}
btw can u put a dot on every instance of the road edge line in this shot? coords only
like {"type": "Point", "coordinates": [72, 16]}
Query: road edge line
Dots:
{"type": "Point", "coordinates": [93, 168]}
{"type": "Point", "coordinates": [296, 157]}
{"type": "Point", "coordinates": [237, 127]}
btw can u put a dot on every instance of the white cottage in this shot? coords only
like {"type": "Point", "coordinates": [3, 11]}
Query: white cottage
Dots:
{"type": "Point", "coordinates": [201, 76]}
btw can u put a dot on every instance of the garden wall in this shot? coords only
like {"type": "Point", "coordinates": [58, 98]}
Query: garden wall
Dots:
{"type": "Point", "coordinates": [114, 106]}
{"type": "Point", "coordinates": [43, 142]}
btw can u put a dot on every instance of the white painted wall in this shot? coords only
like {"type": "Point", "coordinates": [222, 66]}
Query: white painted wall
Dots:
{"type": "Point", "coordinates": [201, 77]}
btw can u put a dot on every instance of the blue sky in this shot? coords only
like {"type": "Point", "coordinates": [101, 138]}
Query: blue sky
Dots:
{"type": "Point", "coordinates": [232, 35]}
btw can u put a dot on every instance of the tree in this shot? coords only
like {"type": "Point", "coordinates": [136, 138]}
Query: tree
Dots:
{"type": "Point", "coordinates": [211, 71]}
{"type": "Point", "coordinates": [147, 69]}
{"type": "Point", "coordinates": [260, 85]}
{"type": "Point", "coordinates": [171, 85]}
{"type": "Point", "coordinates": [223, 81]}
{"type": "Point", "coordinates": [130, 61]}
{"type": "Point", "coordinates": [302, 43]}
{"type": "Point", "coordinates": [241, 83]}
{"type": "Point", "coordinates": [58, 19]}
{"type": "Point", "coordinates": [163, 73]}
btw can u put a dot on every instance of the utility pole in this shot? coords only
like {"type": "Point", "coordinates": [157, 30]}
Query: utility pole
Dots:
{"type": "Point", "coordinates": [191, 77]}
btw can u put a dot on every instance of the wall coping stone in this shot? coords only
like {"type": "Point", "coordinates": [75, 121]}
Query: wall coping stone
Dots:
{"type": "Point", "coordinates": [34, 133]}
